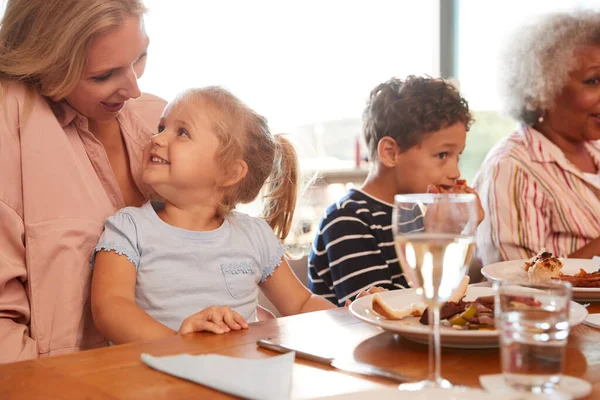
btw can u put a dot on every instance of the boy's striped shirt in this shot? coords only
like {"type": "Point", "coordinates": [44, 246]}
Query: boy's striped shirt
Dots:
{"type": "Point", "coordinates": [354, 248]}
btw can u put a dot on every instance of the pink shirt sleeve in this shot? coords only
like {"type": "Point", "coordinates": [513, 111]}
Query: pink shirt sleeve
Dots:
{"type": "Point", "coordinates": [15, 342]}
{"type": "Point", "coordinates": [515, 226]}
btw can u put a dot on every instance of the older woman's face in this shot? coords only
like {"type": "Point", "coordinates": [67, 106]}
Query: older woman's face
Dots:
{"type": "Point", "coordinates": [115, 60]}
{"type": "Point", "coordinates": [576, 113]}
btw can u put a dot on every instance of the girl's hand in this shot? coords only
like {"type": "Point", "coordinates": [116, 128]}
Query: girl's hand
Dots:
{"type": "Point", "coordinates": [371, 290]}
{"type": "Point", "coordinates": [213, 319]}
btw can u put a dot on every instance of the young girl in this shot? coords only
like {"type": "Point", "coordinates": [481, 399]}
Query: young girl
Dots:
{"type": "Point", "coordinates": [163, 268]}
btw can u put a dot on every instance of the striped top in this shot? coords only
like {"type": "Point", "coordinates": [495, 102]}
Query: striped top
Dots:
{"type": "Point", "coordinates": [354, 248]}
{"type": "Point", "coordinates": [535, 198]}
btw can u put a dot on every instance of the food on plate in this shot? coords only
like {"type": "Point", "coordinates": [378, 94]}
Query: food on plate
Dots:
{"type": "Point", "coordinates": [583, 279]}
{"type": "Point", "coordinates": [383, 309]}
{"type": "Point", "coordinates": [456, 313]}
{"type": "Point", "coordinates": [413, 310]}
{"type": "Point", "coordinates": [467, 315]}
{"type": "Point", "coordinates": [479, 313]}
{"type": "Point", "coordinates": [449, 309]}
{"type": "Point", "coordinates": [543, 267]}
{"type": "Point", "coordinates": [461, 289]}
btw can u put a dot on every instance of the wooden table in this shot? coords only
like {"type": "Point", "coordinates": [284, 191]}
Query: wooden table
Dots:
{"type": "Point", "coordinates": [117, 372]}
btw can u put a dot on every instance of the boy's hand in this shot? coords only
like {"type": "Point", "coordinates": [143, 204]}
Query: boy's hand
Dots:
{"type": "Point", "coordinates": [213, 319]}
{"type": "Point", "coordinates": [460, 187]}
{"type": "Point", "coordinates": [480, 210]}
{"type": "Point", "coordinates": [371, 290]}
{"type": "Point", "coordinates": [463, 188]}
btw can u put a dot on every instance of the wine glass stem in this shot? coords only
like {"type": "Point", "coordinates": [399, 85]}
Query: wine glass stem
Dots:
{"type": "Point", "coordinates": [434, 345]}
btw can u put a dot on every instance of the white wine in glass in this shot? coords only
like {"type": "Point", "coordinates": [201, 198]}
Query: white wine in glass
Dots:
{"type": "Point", "coordinates": [434, 236]}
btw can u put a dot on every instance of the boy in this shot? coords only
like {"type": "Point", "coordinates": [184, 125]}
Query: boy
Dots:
{"type": "Point", "coordinates": [415, 130]}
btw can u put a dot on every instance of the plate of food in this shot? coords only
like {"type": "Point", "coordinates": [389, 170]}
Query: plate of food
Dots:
{"type": "Point", "coordinates": [467, 319]}
{"type": "Point", "coordinates": [583, 274]}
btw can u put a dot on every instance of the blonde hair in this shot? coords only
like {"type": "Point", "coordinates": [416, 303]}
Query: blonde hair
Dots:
{"type": "Point", "coordinates": [536, 64]}
{"type": "Point", "coordinates": [44, 43]}
{"type": "Point", "coordinates": [271, 159]}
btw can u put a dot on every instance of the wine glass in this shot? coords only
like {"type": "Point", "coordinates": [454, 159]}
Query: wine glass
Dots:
{"type": "Point", "coordinates": [434, 236]}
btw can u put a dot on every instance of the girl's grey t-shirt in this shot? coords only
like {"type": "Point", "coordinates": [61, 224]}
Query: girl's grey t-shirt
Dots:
{"type": "Point", "coordinates": [181, 272]}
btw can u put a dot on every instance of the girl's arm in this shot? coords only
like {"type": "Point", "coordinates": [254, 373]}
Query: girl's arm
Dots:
{"type": "Point", "coordinates": [115, 312]}
{"type": "Point", "coordinates": [289, 295]}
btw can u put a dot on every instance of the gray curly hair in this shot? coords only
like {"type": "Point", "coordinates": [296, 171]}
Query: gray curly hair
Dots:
{"type": "Point", "coordinates": [535, 65]}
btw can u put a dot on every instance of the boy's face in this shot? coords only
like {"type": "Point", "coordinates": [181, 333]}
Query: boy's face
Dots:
{"type": "Point", "coordinates": [433, 162]}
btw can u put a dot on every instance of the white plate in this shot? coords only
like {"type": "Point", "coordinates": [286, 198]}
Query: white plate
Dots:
{"type": "Point", "coordinates": [592, 320]}
{"type": "Point", "coordinates": [412, 329]}
{"type": "Point", "coordinates": [515, 271]}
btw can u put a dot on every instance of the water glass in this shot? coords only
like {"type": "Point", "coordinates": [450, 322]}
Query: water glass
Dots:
{"type": "Point", "coordinates": [533, 323]}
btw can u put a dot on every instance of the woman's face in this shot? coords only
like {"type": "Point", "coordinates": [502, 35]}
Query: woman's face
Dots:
{"type": "Point", "coordinates": [115, 60]}
{"type": "Point", "coordinates": [576, 113]}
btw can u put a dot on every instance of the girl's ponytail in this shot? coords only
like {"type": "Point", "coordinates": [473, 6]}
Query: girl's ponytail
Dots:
{"type": "Point", "coordinates": [281, 189]}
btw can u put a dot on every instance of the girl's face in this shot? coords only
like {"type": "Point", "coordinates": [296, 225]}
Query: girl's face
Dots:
{"type": "Point", "coordinates": [115, 60]}
{"type": "Point", "coordinates": [180, 162]}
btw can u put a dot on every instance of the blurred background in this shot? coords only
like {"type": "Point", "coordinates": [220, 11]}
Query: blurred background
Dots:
{"type": "Point", "coordinates": [309, 65]}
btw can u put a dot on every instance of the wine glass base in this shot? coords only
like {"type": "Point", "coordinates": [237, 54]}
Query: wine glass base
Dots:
{"type": "Point", "coordinates": [415, 386]}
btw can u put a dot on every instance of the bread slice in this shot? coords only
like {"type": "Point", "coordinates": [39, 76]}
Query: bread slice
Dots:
{"type": "Point", "coordinates": [383, 309]}
{"type": "Point", "coordinates": [387, 312]}
{"type": "Point", "coordinates": [461, 290]}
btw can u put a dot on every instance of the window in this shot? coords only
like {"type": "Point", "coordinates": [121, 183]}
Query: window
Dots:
{"type": "Point", "coordinates": [308, 66]}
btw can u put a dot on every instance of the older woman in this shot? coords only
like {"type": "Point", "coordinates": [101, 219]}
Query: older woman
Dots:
{"type": "Point", "coordinates": [73, 125]}
{"type": "Point", "coordinates": [540, 187]}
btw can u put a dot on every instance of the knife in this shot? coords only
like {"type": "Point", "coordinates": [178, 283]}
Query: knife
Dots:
{"type": "Point", "coordinates": [348, 366]}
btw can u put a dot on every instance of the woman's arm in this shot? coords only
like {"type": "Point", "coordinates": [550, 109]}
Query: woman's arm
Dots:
{"type": "Point", "coordinates": [516, 225]}
{"type": "Point", "coordinates": [588, 251]}
{"type": "Point", "coordinates": [289, 295]}
{"type": "Point", "coordinates": [15, 342]}
{"type": "Point", "coordinates": [114, 309]}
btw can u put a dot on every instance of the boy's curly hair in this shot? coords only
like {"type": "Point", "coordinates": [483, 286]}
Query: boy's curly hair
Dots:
{"type": "Point", "coordinates": [409, 109]}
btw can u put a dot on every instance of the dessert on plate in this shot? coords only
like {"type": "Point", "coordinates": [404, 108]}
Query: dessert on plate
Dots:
{"type": "Point", "coordinates": [543, 267]}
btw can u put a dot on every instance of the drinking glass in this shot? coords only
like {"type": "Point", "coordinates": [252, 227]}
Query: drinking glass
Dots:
{"type": "Point", "coordinates": [434, 236]}
{"type": "Point", "coordinates": [533, 322]}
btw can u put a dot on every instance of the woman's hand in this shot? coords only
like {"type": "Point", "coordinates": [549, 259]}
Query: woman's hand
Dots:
{"type": "Point", "coordinates": [213, 319]}
{"type": "Point", "coordinates": [371, 290]}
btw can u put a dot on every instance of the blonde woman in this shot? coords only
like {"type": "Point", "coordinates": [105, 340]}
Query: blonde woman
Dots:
{"type": "Point", "coordinates": [72, 130]}
{"type": "Point", "coordinates": [540, 187]}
